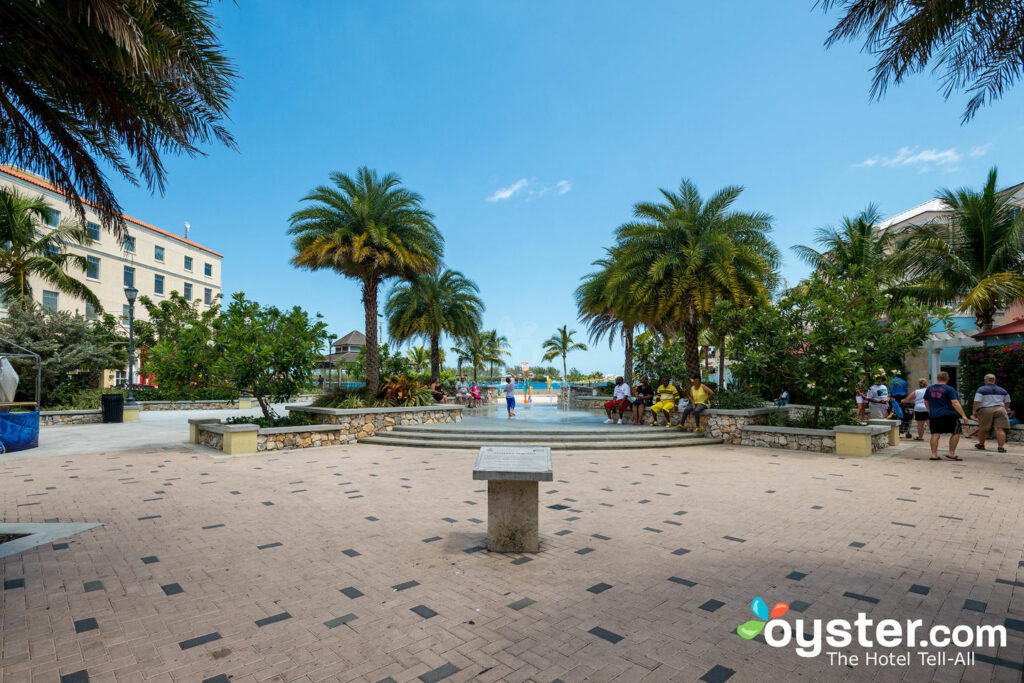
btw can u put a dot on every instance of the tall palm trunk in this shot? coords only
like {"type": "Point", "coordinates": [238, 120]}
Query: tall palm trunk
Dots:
{"type": "Point", "coordinates": [690, 352]}
{"type": "Point", "coordinates": [370, 320]}
{"type": "Point", "coordinates": [565, 376]}
{"type": "Point", "coordinates": [627, 373]}
{"type": "Point", "coordinates": [721, 363]}
{"type": "Point", "coordinates": [435, 356]}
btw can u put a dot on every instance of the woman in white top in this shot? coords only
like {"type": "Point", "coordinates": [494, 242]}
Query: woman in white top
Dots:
{"type": "Point", "coordinates": [920, 409]}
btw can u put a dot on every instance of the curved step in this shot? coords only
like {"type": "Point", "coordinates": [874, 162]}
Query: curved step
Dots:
{"type": "Point", "coordinates": [537, 435]}
{"type": "Point", "coordinates": [391, 439]}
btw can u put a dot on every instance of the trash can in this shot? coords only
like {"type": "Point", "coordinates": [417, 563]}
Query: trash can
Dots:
{"type": "Point", "coordinates": [113, 407]}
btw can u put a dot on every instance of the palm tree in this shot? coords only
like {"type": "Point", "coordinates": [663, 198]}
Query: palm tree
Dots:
{"type": "Point", "coordinates": [481, 348]}
{"type": "Point", "coordinates": [419, 356]}
{"type": "Point", "coordinates": [858, 247]}
{"type": "Point", "coordinates": [977, 44]}
{"type": "Point", "coordinates": [97, 84]}
{"type": "Point", "coordinates": [368, 228]}
{"type": "Point", "coordinates": [608, 308]}
{"type": "Point", "coordinates": [23, 253]}
{"type": "Point", "coordinates": [687, 253]}
{"type": "Point", "coordinates": [975, 258]}
{"type": "Point", "coordinates": [561, 344]}
{"type": "Point", "coordinates": [431, 304]}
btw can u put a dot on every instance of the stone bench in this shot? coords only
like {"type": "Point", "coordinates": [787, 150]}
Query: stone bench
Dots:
{"type": "Point", "coordinates": [512, 475]}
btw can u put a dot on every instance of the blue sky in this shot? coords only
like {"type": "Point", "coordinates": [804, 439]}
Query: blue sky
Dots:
{"type": "Point", "coordinates": [531, 128]}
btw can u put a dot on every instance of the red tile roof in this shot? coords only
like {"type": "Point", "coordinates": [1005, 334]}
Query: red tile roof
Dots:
{"type": "Point", "coordinates": [21, 175]}
{"type": "Point", "coordinates": [1016, 327]}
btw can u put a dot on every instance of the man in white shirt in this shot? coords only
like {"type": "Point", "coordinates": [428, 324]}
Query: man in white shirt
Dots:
{"type": "Point", "coordinates": [619, 402]}
{"type": "Point", "coordinates": [878, 398]}
{"type": "Point", "coordinates": [990, 404]}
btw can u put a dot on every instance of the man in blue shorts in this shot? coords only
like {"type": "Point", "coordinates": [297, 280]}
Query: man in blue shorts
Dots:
{"type": "Point", "coordinates": [944, 415]}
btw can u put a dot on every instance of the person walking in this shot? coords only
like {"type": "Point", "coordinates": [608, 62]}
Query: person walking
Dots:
{"type": "Point", "coordinates": [619, 402]}
{"type": "Point", "coordinates": [700, 397]}
{"type": "Point", "coordinates": [510, 397]}
{"type": "Point", "coordinates": [991, 403]}
{"type": "Point", "coordinates": [878, 398]}
{"type": "Point", "coordinates": [862, 403]}
{"type": "Point", "coordinates": [643, 396]}
{"type": "Point", "coordinates": [920, 409]}
{"type": "Point", "coordinates": [944, 415]}
{"type": "Point", "coordinates": [666, 400]}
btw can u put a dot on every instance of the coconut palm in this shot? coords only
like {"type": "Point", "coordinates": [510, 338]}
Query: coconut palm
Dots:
{"type": "Point", "coordinates": [480, 348]}
{"type": "Point", "coordinates": [976, 44]}
{"type": "Point", "coordinates": [562, 344]}
{"type": "Point", "coordinates": [94, 85]}
{"type": "Point", "coordinates": [27, 250]}
{"type": "Point", "coordinates": [608, 308]}
{"type": "Point", "coordinates": [428, 305]}
{"type": "Point", "coordinates": [975, 259]}
{"type": "Point", "coordinates": [856, 248]}
{"type": "Point", "coordinates": [369, 228]}
{"type": "Point", "coordinates": [685, 254]}
{"type": "Point", "coordinates": [419, 356]}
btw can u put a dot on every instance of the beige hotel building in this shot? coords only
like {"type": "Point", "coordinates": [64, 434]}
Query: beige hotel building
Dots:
{"type": "Point", "coordinates": [155, 261]}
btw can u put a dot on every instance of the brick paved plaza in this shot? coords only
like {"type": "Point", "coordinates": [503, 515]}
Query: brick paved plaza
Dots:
{"type": "Point", "coordinates": [365, 563]}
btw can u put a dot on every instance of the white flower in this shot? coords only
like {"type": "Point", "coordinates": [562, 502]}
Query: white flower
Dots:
{"type": "Point", "coordinates": [811, 385]}
{"type": "Point", "coordinates": [248, 321]}
{"type": "Point", "coordinates": [209, 342]}
{"type": "Point", "coordinates": [187, 326]}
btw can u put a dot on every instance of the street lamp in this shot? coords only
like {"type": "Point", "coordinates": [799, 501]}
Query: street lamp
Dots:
{"type": "Point", "coordinates": [130, 293]}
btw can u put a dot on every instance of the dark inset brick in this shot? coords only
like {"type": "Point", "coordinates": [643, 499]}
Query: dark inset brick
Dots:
{"type": "Point", "coordinates": [1014, 624]}
{"type": "Point", "coordinates": [717, 674]}
{"type": "Point", "coordinates": [733, 538]}
{"type": "Point", "coordinates": [141, 519]}
{"type": "Point", "coordinates": [975, 605]}
{"type": "Point", "coordinates": [371, 518]}
{"type": "Point", "coordinates": [1017, 584]}
{"type": "Point", "coordinates": [219, 678]}
{"type": "Point", "coordinates": [76, 677]}
{"type": "Point", "coordinates": [351, 593]}
{"type": "Point", "coordinates": [338, 621]}
{"type": "Point", "coordinates": [682, 582]}
{"type": "Point", "coordinates": [799, 606]}
{"type": "Point", "coordinates": [522, 560]}
{"type": "Point", "coordinates": [87, 624]}
{"type": "Point", "coordinates": [816, 507]}
{"type": "Point", "coordinates": [796, 576]}
{"type": "Point", "coordinates": [599, 587]}
{"type": "Point", "coordinates": [520, 604]}
{"type": "Point", "coordinates": [858, 596]}
{"type": "Point", "coordinates": [405, 586]}
{"type": "Point", "coordinates": [711, 605]}
{"type": "Point", "coordinates": [91, 586]}
{"type": "Point", "coordinates": [857, 544]}
{"type": "Point", "coordinates": [680, 551]}
{"type": "Point", "coordinates": [600, 537]}
{"type": "Point", "coordinates": [999, 661]}
{"type": "Point", "coordinates": [558, 507]}
{"type": "Point", "coordinates": [269, 545]}
{"type": "Point", "coordinates": [150, 559]}
{"type": "Point", "coordinates": [10, 584]}
{"type": "Point", "coordinates": [449, 520]}
{"type": "Point", "coordinates": [423, 611]}
{"type": "Point", "coordinates": [266, 621]}
{"type": "Point", "coordinates": [563, 532]}
{"type": "Point", "coordinates": [584, 551]}
{"type": "Point", "coordinates": [474, 549]}
{"type": "Point", "coordinates": [605, 634]}
{"type": "Point", "coordinates": [213, 526]}
{"type": "Point", "coordinates": [350, 553]}
{"type": "Point", "coordinates": [267, 503]}
{"type": "Point", "coordinates": [60, 546]}
{"type": "Point", "coordinates": [431, 539]}
{"type": "Point", "coordinates": [440, 673]}
{"type": "Point", "coordinates": [919, 589]}
{"type": "Point", "coordinates": [200, 640]}
{"type": "Point", "coordinates": [172, 589]}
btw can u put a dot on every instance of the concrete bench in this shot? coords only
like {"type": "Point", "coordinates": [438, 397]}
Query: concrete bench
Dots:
{"type": "Point", "coordinates": [512, 474]}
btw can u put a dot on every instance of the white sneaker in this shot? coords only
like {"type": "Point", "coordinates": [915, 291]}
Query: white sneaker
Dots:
{"type": "Point", "coordinates": [620, 420]}
{"type": "Point", "coordinates": [609, 421]}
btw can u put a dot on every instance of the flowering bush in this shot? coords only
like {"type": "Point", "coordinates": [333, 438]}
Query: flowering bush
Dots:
{"type": "Point", "coordinates": [1005, 362]}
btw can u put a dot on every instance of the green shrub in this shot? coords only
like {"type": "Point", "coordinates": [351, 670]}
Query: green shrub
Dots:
{"type": "Point", "coordinates": [736, 399]}
{"type": "Point", "coordinates": [339, 396]}
{"type": "Point", "coordinates": [278, 421]}
{"type": "Point", "coordinates": [1005, 362]}
{"type": "Point", "coordinates": [829, 418]}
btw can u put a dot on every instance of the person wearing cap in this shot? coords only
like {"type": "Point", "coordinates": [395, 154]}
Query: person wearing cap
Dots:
{"type": "Point", "coordinates": [990, 405]}
{"type": "Point", "coordinates": [878, 398]}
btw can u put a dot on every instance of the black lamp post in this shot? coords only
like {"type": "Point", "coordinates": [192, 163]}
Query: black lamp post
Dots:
{"type": "Point", "coordinates": [130, 293]}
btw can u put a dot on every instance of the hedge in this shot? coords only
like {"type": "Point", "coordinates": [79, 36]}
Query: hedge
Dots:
{"type": "Point", "coordinates": [1005, 362]}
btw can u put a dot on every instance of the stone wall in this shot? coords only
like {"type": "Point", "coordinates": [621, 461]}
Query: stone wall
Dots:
{"type": "Point", "coordinates": [364, 422]}
{"type": "Point", "coordinates": [49, 418]}
{"type": "Point", "coordinates": [791, 438]}
{"type": "Point", "coordinates": [188, 405]}
{"type": "Point", "coordinates": [211, 439]}
{"type": "Point", "coordinates": [284, 438]}
{"type": "Point", "coordinates": [879, 441]}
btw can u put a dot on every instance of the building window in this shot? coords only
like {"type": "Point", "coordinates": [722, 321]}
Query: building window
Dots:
{"type": "Point", "coordinates": [207, 296]}
{"type": "Point", "coordinates": [52, 217]}
{"type": "Point", "coordinates": [158, 254]}
{"type": "Point", "coordinates": [158, 284]}
{"type": "Point", "coordinates": [94, 230]}
{"type": "Point", "coordinates": [129, 244]}
{"type": "Point", "coordinates": [129, 276]}
{"type": "Point", "coordinates": [188, 292]}
{"type": "Point", "coordinates": [92, 270]}
{"type": "Point", "coordinates": [188, 263]}
{"type": "Point", "coordinates": [50, 299]}
{"type": "Point", "coordinates": [208, 270]}
{"type": "Point", "coordinates": [52, 250]}
{"type": "Point", "coordinates": [90, 311]}
{"type": "Point", "coordinates": [124, 312]}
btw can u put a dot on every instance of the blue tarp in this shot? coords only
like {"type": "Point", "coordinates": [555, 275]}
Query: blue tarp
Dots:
{"type": "Point", "coordinates": [19, 431]}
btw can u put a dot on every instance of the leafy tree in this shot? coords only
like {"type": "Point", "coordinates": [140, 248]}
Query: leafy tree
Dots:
{"type": "Point", "coordinates": [562, 344]}
{"type": "Point", "coordinates": [178, 345]}
{"type": "Point", "coordinates": [391, 365]}
{"type": "Point", "coordinates": [74, 351]}
{"type": "Point", "coordinates": [368, 228]}
{"type": "Point", "coordinates": [480, 348]}
{"type": "Point", "coordinates": [167, 316]}
{"type": "Point", "coordinates": [975, 259]}
{"type": "Point", "coordinates": [976, 43]}
{"type": "Point", "coordinates": [419, 356]}
{"type": "Point", "coordinates": [657, 356]}
{"type": "Point", "coordinates": [428, 305]}
{"type": "Point", "coordinates": [267, 352]}
{"type": "Point", "coordinates": [821, 338]}
{"type": "Point", "coordinates": [685, 254]}
{"type": "Point", "coordinates": [93, 85]}
{"type": "Point", "coordinates": [24, 254]}
{"type": "Point", "coordinates": [609, 307]}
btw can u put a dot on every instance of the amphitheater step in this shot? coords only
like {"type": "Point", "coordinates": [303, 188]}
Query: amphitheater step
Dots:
{"type": "Point", "coordinates": [463, 440]}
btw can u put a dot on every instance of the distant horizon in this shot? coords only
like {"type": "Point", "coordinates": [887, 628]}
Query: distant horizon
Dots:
{"type": "Point", "coordinates": [531, 130]}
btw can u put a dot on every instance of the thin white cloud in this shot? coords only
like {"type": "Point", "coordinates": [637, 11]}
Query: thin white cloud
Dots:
{"type": "Point", "coordinates": [981, 150]}
{"type": "Point", "coordinates": [921, 159]}
{"type": "Point", "coordinates": [508, 192]}
{"type": "Point", "coordinates": [532, 189]}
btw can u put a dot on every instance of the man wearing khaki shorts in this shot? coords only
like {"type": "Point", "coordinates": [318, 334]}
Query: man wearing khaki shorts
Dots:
{"type": "Point", "coordinates": [990, 403]}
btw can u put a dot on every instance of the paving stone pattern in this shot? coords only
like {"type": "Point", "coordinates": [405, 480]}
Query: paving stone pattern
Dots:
{"type": "Point", "coordinates": [395, 584]}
